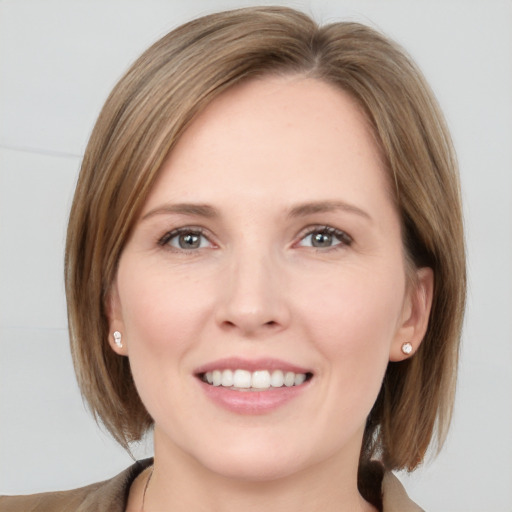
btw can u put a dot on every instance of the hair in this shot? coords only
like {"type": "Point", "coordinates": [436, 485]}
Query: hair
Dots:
{"type": "Point", "coordinates": [155, 102]}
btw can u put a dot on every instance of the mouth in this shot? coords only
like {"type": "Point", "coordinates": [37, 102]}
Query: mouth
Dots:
{"type": "Point", "coordinates": [238, 379]}
{"type": "Point", "coordinates": [253, 386]}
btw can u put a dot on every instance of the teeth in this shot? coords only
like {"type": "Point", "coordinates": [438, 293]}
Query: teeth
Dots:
{"type": "Point", "coordinates": [299, 379]}
{"type": "Point", "coordinates": [227, 378]}
{"type": "Point", "coordinates": [217, 378]}
{"type": "Point", "coordinates": [289, 379]}
{"type": "Point", "coordinates": [277, 379]}
{"type": "Point", "coordinates": [242, 379]}
{"type": "Point", "coordinates": [260, 379]}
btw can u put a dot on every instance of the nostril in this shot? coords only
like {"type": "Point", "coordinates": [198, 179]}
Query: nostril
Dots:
{"type": "Point", "coordinates": [249, 323]}
{"type": "Point", "coordinates": [228, 325]}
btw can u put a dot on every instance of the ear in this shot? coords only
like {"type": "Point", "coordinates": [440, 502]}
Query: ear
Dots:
{"type": "Point", "coordinates": [415, 315]}
{"type": "Point", "coordinates": [115, 322]}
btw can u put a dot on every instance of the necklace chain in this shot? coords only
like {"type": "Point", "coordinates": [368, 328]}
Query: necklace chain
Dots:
{"type": "Point", "coordinates": [146, 488]}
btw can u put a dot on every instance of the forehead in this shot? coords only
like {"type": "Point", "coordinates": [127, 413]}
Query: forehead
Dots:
{"type": "Point", "coordinates": [266, 133]}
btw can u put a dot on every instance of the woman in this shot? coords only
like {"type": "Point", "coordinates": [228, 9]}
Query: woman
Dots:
{"type": "Point", "coordinates": [265, 265]}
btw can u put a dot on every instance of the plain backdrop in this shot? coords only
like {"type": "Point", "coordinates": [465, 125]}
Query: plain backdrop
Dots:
{"type": "Point", "coordinates": [58, 61]}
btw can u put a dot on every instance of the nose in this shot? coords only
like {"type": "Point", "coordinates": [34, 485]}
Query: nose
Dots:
{"type": "Point", "coordinates": [253, 297]}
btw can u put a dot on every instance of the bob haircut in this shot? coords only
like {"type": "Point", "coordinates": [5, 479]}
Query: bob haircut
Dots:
{"type": "Point", "coordinates": [155, 102]}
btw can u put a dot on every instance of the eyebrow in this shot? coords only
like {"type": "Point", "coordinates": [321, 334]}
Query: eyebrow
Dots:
{"type": "Point", "coordinates": [199, 210]}
{"type": "Point", "coordinates": [300, 210]}
{"type": "Point", "coordinates": [305, 209]}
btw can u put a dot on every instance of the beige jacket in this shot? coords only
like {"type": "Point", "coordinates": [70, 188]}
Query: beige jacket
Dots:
{"type": "Point", "coordinates": [112, 495]}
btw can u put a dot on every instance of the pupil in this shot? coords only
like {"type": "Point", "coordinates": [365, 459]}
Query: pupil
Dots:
{"type": "Point", "coordinates": [189, 241]}
{"type": "Point", "coordinates": [322, 240]}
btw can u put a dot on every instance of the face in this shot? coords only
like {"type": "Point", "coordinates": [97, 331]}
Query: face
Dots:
{"type": "Point", "coordinates": [263, 291]}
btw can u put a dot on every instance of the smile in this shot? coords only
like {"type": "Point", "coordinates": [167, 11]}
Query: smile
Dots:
{"type": "Point", "coordinates": [244, 380]}
{"type": "Point", "coordinates": [253, 386]}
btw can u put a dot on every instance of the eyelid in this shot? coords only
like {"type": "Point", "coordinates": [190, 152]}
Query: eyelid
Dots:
{"type": "Point", "coordinates": [345, 239]}
{"type": "Point", "coordinates": [169, 235]}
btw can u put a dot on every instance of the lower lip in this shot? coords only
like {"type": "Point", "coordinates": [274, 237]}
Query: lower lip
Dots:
{"type": "Point", "coordinates": [252, 402]}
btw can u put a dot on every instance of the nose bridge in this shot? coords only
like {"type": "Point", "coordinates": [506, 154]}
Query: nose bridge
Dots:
{"type": "Point", "coordinates": [254, 297]}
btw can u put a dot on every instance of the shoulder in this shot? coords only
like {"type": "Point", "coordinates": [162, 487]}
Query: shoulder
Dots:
{"type": "Point", "coordinates": [108, 496]}
{"type": "Point", "coordinates": [49, 501]}
{"type": "Point", "coordinates": [394, 497]}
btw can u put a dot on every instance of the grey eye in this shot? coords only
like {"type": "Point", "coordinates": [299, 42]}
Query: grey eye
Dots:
{"type": "Point", "coordinates": [189, 241]}
{"type": "Point", "coordinates": [325, 238]}
{"type": "Point", "coordinates": [186, 240]}
{"type": "Point", "coordinates": [321, 239]}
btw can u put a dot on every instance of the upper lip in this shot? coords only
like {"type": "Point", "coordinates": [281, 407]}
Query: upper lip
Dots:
{"type": "Point", "coordinates": [237, 363]}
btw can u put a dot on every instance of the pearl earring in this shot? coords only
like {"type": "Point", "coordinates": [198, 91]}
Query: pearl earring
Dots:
{"type": "Point", "coordinates": [117, 339]}
{"type": "Point", "coordinates": [407, 348]}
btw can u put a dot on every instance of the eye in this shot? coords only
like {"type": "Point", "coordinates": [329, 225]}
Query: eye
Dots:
{"type": "Point", "coordinates": [325, 237]}
{"type": "Point", "coordinates": [185, 239]}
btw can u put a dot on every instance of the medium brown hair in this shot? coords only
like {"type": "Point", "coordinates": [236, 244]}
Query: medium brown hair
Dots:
{"type": "Point", "coordinates": [146, 114]}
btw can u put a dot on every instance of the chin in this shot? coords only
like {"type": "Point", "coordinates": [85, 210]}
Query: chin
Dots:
{"type": "Point", "coordinates": [251, 458]}
{"type": "Point", "coordinates": [255, 467]}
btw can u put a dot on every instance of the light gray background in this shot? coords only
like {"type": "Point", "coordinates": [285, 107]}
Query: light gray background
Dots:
{"type": "Point", "coordinates": [58, 61]}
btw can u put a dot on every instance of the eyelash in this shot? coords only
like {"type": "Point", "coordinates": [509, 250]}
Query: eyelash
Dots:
{"type": "Point", "coordinates": [344, 239]}
{"type": "Point", "coordinates": [189, 230]}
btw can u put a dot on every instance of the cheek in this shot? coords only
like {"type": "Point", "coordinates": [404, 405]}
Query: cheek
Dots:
{"type": "Point", "coordinates": [355, 318]}
{"type": "Point", "coordinates": [161, 314]}
{"type": "Point", "coordinates": [162, 318]}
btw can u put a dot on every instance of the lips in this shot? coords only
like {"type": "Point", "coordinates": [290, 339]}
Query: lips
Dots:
{"type": "Point", "coordinates": [252, 386]}
{"type": "Point", "coordinates": [251, 365]}
{"type": "Point", "coordinates": [260, 379]}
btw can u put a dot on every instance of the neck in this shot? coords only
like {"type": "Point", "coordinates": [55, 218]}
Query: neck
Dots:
{"type": "Point", "coordinates": [180, 483]}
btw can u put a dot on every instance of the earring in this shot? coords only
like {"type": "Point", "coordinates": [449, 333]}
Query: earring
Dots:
{"type": "Point", "coordinates": [406, 348]}
{"type": "Point", "coordinates": [117, 339]}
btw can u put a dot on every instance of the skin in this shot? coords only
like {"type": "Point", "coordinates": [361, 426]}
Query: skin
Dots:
{"type": "Point", "coordinates": [257, 287]}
